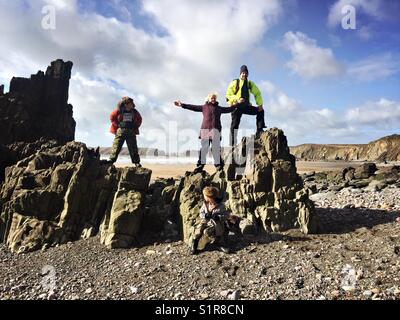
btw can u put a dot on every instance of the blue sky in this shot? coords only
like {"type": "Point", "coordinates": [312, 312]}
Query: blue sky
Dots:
{"type": "Point", "coordinates": [321, 83]}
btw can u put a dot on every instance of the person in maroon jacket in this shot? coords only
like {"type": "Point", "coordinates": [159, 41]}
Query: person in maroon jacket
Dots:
{"type": "Point", "coordinates": [125, 123]}
{"type": "Point", "coordinates": [210, 132]}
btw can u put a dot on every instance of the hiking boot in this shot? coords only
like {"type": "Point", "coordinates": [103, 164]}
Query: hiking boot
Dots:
{"type": "Point", "coordinates": [198, 169]}
{"type": "Point", "coordinates": [106, 162]}
{"type": "Point", "coordinates": [193, 247]}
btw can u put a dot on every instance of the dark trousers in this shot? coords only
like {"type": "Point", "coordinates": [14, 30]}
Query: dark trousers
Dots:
{"type": "Point", "coordinates": [216, 151]}
{"type": "Point", "coordinates": [121, 136]}
{"type": "Point", "coordinates": [242, 109]}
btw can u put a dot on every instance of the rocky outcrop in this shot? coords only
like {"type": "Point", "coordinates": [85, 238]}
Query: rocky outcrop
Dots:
{"type": "Point", "coordinates": [35, 111]}
{"type": "Point", "coordinates": [366, 176]}
{"type": "Point", "coordinates": [38, 107]}
{"type": "Point", "coordinates": [122, 225]}
{"type": "Point", "coordinates": [56, 195]}
{"type": "Point", "coordinates": [262, 188]}
{"type": "Point", "coordinates": [384, 149]}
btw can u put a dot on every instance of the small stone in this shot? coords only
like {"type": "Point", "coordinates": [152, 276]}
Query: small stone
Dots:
{"type": "Point", "coordinates": [367, 293]}
{"type": "Point", "coordinates": [89, 291]}
{"type": "Point", "coordinates": [235, 295]}
{"type": "Point", "coordinates": [376, 291]}
{"type": "Point", "coordinates": [335, 294]}
{"type": "Point", "coordinates": [204, 296]}
{"type": "Point", "coordinates": [150, 252]}
{"type": "Point", "coordinates": [43, 296]}
{"type": "Point", "coordinates": [134, 290]}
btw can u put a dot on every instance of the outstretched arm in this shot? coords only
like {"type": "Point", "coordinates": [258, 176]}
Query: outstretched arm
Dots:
{"type": "Point", "coordinates": [189, 106]}
{"type": "Point", "coordinates": [228, 109]}
{"type": "Point", "coordinates": [192, 107]}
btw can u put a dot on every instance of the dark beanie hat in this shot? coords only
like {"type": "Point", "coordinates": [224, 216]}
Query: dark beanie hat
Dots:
{"type": "Point", "coordinates": [244, 69]}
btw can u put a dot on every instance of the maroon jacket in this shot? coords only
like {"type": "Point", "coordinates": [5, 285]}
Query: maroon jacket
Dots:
{"type": "Point", "coordinates": [211, 116]}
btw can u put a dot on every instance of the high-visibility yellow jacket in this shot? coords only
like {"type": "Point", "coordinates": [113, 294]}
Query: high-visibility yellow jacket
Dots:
{"type": "Point", "coordinates": [232, 96]}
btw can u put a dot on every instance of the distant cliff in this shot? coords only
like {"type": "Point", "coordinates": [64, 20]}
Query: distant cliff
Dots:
{"type": "Point", "coordinates": [384, 149]}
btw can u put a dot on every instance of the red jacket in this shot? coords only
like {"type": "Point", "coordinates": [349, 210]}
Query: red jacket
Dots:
{"type": "Point", "coordinates": [116, 117]}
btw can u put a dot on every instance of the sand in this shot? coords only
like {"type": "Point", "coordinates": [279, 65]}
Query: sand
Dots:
{"type": "Point", "coordinates": [177, 170]}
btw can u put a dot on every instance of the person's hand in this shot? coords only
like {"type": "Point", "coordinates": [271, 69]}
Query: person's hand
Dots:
{"type": "Point", "coordinates": [260, 108]}
{"type": "Point", "coordinates": [241, 100]}
{"type": "Point", "coordinates": [178, 103]}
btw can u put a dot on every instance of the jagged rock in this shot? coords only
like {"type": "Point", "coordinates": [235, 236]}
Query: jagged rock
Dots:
{"type": "Point", "coordinates": [365, 171]}
{"type": "Point", "coordinates": [56, 195]}
{"type": "Point", "coordinates": [191, 201]}
{"type": "Point", "coordinates": [35, 111]}
{"type": "Point", "coordinates": [162, 204]}
{"type": "Point", "coordinates": [8, 157]}
{"type": "Point", "coordinates": [121, 226]}
{"type": "Point", "coordinates": [388, 174]}
{"type": "Point", "coordinates": [348, 173]}
{"type": "Point", "coordinates": [38, 107]}
{"type": "Point", "coordinates": [262, 187]}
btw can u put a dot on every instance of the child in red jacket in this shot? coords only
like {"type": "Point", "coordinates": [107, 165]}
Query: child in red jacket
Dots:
{"type": "Point", "coordinates": [125, 124]}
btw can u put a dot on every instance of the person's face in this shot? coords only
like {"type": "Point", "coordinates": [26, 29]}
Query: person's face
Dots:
{"type": "Point", "coordinates": [130, 106]}
{"type": "Point", "coordinates": [244, 75]}
{"type": "Point", "coordinates": [213, 99]}
{"type": "Point", "coordinates": [209, 200]}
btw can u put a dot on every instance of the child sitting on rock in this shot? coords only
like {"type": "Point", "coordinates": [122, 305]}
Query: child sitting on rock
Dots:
{"type": "Point", "coordinates": [125, 124]}
{"type": "Point", "coordinates": [212, 228]}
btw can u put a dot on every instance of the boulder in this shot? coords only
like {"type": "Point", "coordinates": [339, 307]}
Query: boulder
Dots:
{"type": "Point", "coordinates": [38, 107]}
{"type": "Point", "coordinates": [56, 195]}
{"type": "Point", "coordinates": [365, 171]}
{"type": "Point", "coordinates": [122, 225]}
{"type": "Point", "coordinates": [262, 187]}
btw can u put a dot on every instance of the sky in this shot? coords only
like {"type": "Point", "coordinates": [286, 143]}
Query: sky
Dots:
{"type": "Point", "coordinates": [321, 82]}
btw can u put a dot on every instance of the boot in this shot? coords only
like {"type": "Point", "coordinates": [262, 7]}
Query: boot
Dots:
{"type": "Point", "coordinates": [193, 247]}
{"type": "Point", "coordinates": [198, 169]}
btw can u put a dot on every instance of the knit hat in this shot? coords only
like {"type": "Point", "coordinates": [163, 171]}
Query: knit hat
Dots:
{"type": "Point", "coordinates": [244, 69]}
{"type": "Point", "coordinates": [211, 192]}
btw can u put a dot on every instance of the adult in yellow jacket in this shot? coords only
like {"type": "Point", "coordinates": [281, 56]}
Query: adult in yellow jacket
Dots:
{"type": "Point", "coordinates": [238, 94]}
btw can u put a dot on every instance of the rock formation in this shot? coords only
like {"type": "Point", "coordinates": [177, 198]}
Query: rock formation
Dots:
{"type": "Point", "coordinates": [366, 176]}
{"type": "Point", "coordinates": [56, 190]}
{"type": "Point", "coordinates": [264, 190]}
{"type": "Point", "coordinates": [35, 110]}
{"type": "Point", "coordinates": [38, 107]}
{"type": "Point", "coordinates": [122, 225]}
{"type": "Point", "coordinates": [384, 149]}
{"type": "Point", "coordinates": [56, 195]}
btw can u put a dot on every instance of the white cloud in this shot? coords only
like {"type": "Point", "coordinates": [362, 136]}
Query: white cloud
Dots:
{"type": "Point", "coordinates": [200, 51]}
{"type": "Point", "coordinates": [379, 114]}
{"type": "Point", "coordinates": [375, 67]}
{"type": "Point", "coordinates": [303, 123]}
{"type": "Point", "coordinates": [308, 59]}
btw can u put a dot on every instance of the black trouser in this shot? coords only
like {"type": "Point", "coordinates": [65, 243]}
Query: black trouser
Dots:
{"type": "Point", "coordinates": [244, 108]}
{"type": "Point", "coordinates": [216, 151]}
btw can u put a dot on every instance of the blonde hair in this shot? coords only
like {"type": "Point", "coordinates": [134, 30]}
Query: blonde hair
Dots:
{"type": "Point", "coordinates": [211, 192]}
{"type": "Point", "coordinates": [210, 95]}
{"type": "Point", "coordinates": [124, 101]}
